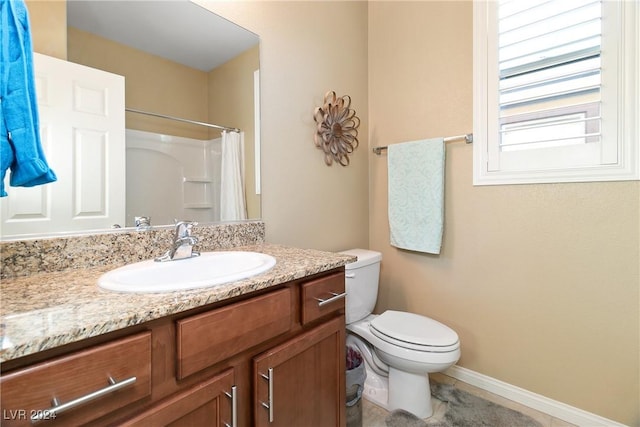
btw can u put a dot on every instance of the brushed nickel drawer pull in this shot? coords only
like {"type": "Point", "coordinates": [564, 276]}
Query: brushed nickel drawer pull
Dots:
{"type": "Point", "coordinates": [57, 408]}
{"type": "Point", "coordinates": [269, 403]}
{"type": "Point", "coordinates": [234, 406]}
{"type": "Point", "coordinates": [335, 297]}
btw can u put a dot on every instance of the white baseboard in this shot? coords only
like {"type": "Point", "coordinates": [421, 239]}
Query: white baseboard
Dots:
{"type": "Point", "coordinates": [538, 402]}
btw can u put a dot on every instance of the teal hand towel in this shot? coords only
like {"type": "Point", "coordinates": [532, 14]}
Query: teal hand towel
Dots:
{"type": "Point", "coordinates": [416, 194]}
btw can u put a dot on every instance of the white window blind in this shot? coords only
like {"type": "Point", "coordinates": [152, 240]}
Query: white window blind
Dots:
{"type": "Point", "coordinates": [556, 88]}
{"type": "Point", "coordinates": [549, 71]}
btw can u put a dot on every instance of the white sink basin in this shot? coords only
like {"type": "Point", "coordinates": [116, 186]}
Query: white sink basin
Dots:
{"type": "Point", "coordinates": [209, 269]}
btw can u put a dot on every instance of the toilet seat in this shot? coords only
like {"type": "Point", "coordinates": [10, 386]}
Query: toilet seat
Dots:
{"type": "Point", "coordinates": [433, 359]}
{"type": "Point", "coordinates": [415, 332]}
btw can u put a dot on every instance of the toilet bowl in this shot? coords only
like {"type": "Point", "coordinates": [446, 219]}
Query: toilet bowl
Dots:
{"type": "Point", "coordinates": [400, 349]}
{"type": "Point", "coordinates": [397, 370]}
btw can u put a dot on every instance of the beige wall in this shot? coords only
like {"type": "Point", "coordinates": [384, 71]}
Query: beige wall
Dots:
{"type": "Point", "coordinates": [306, 49]}
{"type": "Point", "coordinates": [50, 19]}
{"type": "Point", "coordinates": [540, 281]}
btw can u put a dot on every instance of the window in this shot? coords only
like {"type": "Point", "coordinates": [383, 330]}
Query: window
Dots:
{"type": "Point", "coordinates": [556, 91]}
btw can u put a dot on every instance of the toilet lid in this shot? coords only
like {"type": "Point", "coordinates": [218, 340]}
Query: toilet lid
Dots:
{"type": "Point", "coordinates": [410, 328]}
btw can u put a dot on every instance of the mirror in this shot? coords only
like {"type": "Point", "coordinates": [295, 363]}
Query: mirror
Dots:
{"type": "Point", "coordinates": [202, 68]}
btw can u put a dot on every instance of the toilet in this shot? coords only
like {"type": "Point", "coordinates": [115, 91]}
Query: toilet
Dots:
{"type": "Point", "coordinates": [400, 349]}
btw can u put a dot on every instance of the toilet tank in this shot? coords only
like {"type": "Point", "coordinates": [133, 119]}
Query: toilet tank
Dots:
{"type": "Point", "coordinates": [361, 283]}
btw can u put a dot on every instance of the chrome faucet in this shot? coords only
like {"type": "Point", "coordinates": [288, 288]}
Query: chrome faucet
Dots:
{"type": "Point", "coordinates": [183, 243]}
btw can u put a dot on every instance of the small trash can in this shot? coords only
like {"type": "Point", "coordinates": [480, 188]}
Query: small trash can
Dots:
{"type": "Point", "coordinates": [355, 376]}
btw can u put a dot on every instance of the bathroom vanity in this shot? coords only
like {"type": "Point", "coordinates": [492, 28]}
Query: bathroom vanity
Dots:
{"type": "Point", "coordinates": [268, 350]}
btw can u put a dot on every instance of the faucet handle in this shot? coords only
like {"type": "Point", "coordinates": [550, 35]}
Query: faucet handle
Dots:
{"type": "Point", "coordinates": [142, 222]}
{"type": "Point", "coordinates": [183, 228]}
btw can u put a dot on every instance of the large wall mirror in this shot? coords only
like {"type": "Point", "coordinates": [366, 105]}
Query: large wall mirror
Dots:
{"type": "Point", "coordinates": [179, 61]}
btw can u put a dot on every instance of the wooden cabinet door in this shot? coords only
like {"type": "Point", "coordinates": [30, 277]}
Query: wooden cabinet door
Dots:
{"type": "Point", "coordinates": [209, 403]}
{"type": "Point", "coordinates": [302, 381]}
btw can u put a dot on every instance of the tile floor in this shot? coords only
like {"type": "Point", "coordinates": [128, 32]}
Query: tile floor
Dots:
{"type": "Point", "coordinates": [374, 416]}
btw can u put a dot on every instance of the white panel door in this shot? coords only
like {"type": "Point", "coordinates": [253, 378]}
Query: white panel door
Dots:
{"type": "Point", "coordinates": [82, 128]}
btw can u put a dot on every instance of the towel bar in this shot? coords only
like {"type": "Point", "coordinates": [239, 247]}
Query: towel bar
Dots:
{"type": "Point", "coordinates": [468, 138]}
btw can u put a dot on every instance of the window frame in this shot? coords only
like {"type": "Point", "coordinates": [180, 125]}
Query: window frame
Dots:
{"type": "Point", "coordinates": [620, 102]}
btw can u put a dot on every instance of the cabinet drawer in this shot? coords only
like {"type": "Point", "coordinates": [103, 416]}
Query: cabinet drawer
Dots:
{"type": "Point", "coordinates": [206, 339]}
{"type": "Point", "coordinates": [322, 296]}
{"type": "Point", "coordinates": [209, 403]}
{"type": "Point", "coordinates": [87, 384]}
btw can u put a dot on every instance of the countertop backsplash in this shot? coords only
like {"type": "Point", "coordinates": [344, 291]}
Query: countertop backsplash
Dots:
{"type": "Point", "coordinates": [47, 255]}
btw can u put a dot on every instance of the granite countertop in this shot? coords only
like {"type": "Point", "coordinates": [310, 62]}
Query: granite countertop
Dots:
{"type": "Point", "coordinates": [47, 310]}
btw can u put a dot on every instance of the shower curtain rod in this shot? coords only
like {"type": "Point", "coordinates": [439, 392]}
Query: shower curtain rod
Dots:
{"type": "Point", "coordinates": [182, 120]}
{"type": "Point", "coordinates": [468, 138]}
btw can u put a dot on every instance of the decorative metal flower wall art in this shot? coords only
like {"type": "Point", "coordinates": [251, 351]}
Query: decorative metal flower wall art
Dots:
{"type": "Point", "coordinates": [337, 128]}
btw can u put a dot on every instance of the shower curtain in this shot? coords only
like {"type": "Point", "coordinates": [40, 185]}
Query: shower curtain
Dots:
{"type": "Point", "coordinates": [232, 202]}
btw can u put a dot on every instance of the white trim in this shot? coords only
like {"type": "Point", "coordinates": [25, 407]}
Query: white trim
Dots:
{"type": "Point", "coordinates": [532, 400]}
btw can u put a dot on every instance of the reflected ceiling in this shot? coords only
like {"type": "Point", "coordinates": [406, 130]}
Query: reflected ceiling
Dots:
{"type": "Point", "coordinates": [185, 29]}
